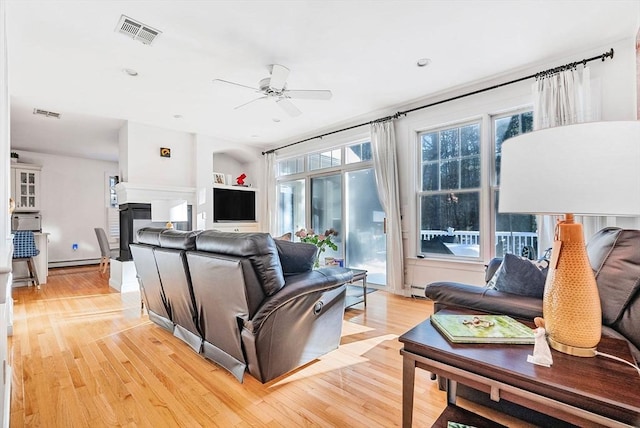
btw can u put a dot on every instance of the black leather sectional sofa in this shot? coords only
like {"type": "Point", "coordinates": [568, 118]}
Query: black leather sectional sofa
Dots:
{"type": "Point", "coordinates": [242, 300]}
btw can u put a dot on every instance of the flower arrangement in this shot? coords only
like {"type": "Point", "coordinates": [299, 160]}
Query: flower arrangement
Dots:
{"type": "Point", "coordinates": [322, 241]}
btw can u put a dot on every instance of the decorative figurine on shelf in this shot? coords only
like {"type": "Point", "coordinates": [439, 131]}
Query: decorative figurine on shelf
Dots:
{"type": "Point", "coordinates": [541, 352]}
{"type": "Point", "coordinates": [240, 179]}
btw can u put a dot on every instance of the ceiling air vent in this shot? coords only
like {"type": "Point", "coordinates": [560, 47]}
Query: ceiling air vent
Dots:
{"type": "Point", "coordinates": [46, 113]}
{"type": "Point", "coordinates": [137, 30]}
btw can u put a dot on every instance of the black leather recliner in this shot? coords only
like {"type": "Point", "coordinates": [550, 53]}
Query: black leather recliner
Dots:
{"type": "Point", "coordinates": [171, 259]}
{"type": "Point", "coordinates": [614, 255]}
{"type": "Point", "coordinates": [149, 279]}
{"type": "Point", "coordinates": [255, 304]}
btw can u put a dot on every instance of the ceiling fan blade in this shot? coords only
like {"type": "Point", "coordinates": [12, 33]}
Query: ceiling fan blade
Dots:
{"type": "Point", "coordinates": [309, 94]}
{"type": "Point", "coordinates": [279, 74]}
{"type": "Point", "coordinates": [288, 107]}
{"type": "Point", "coordinates": [236, 84]}
{"type": "Point", "coordinates": [242, 105]}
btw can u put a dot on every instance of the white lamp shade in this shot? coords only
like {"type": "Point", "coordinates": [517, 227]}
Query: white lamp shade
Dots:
{"type": "Point", "coordinates": [165, 210]}
{"type": "Point", "coordinates": [588, 169]}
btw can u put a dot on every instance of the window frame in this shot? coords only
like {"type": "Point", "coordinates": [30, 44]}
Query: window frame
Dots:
{"type": "Point", "coordinates": [494, 187]}
{"type": "Point", "coordinates": [481, 189]}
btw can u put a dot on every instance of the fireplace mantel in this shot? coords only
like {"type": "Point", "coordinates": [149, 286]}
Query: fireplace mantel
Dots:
{"type": "Point", "coordinates": [145, 193]}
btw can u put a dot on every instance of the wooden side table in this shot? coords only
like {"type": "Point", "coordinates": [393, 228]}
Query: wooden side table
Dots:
{"type": "Point", "coordinates": [581, 391]}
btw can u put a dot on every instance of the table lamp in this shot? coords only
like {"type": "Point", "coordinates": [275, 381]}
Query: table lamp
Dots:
{"type": "Point", "coordinates": [587, 169]}
{"type": "Point", "coordinates": [168, 210]}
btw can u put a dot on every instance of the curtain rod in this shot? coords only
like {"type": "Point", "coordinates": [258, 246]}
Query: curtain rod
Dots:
{"type": "Point", "coordinates": [539, 75]}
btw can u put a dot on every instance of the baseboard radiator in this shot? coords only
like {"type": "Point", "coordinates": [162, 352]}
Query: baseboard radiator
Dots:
{"type": "Point", "coordinates": [417, 291]}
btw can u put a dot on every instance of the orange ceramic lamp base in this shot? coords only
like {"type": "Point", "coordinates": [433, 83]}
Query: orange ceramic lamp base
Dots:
{"type": "Point", "coordinates": [571, 303]}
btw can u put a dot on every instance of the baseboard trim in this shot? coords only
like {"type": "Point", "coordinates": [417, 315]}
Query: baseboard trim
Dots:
{"type": "Point", "coordinates": [68, 263]}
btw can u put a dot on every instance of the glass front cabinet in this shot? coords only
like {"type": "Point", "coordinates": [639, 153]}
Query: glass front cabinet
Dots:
{"type": "Point", "coordinates": [26, 187]}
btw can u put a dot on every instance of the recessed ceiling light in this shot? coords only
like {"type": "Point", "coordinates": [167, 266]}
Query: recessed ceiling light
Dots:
{"type": "Point", "coordinates": [177, 116]}
{"type": "Point", "coordinates": [254, 136]}
{"type": "Point", "coordinates": [130, 71]}
{"type": "Point", "coordinates": [276, 120]}
{"type": "Point", "coordinates": [423, 62]}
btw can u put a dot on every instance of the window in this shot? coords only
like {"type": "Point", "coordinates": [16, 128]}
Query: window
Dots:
{"type": "Point", "coordinates": [458, 195]}
{"type": "Point", "coordinates": [291, 206]}
{"type": "Point", "coordinates": [325, 159]}
{"type": "Point", "coordinates": [113, 198]}
{"type": "Point", "coordinates": [514, 233]}
{"type": "Point", "coordinates": [113, 216]}
{"type": "Point", "coordinates": [290, 166]}
{"type": "Point", "coordinates": [358, 153]}
{"type": "Point", "coordinates": [449, 196]}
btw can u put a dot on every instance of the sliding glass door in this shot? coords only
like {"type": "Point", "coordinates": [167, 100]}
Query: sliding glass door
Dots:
{"type": "Point", "coordinates": [336, 189]}
{"type": "Point", "coordinates": [366, 240]}
{"type": "Point", "coordinates": [326, 209]}
{"type": "Point", "coordinates": [355, 212]}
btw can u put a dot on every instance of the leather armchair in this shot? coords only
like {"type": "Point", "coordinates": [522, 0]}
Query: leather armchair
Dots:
{"type": "Point", "coordinates": [614, 255]}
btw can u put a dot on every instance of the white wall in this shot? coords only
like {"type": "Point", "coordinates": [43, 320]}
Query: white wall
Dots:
{"type": "Point", "coordinates": [140, 160]}
{"type": "Point", "coordinates": [73, 203]}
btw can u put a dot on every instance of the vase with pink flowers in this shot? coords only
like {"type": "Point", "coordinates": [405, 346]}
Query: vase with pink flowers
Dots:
{"type": "Point", "coordinates": [322, 241]}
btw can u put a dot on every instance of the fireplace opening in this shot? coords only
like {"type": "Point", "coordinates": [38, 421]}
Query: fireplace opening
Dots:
{"type": "Point", "coordinates": [135, 216]}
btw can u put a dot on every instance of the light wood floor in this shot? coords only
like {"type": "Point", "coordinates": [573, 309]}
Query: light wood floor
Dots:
{"type": "Point", "coordinates": [84, 355]}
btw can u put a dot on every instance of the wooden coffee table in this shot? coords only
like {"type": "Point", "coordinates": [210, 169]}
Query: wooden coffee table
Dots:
{"type": "Point", "coordinates": [582, 391]}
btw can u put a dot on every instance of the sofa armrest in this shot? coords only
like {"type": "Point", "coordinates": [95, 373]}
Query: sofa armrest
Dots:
{"type": "Point", "coordinates": [296, 286]}
{"type": "Point", "coordinates": [483, 299]}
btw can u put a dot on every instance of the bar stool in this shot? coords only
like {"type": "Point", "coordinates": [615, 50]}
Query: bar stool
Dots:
{"type": "Point", "coordinates": [24, 250]}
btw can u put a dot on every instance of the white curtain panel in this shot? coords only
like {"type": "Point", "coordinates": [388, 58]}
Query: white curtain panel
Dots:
{"type": "Point", "coordinates": [561, 99]}
{"type": "Point", "coordinates": [270, 206]}
{"type": "Point", "coordinates": [385, 165]}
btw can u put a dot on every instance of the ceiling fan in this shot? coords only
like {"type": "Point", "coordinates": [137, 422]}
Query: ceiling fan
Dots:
{"type": "Point", "coordinates": [275, 87]}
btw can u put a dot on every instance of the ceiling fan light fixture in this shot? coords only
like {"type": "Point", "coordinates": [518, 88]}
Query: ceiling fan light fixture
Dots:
{"type": "Point", "coordinates": [274, 88]}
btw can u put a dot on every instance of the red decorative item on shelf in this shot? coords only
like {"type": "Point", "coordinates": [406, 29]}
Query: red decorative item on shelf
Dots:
{"type": "Point", "coordinates": [240, 179]}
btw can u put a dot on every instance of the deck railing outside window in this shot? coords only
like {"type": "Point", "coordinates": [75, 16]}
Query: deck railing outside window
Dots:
{"type": "Point", "coordinates": [506, 242]}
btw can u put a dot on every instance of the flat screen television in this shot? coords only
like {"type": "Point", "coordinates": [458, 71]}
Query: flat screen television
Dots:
{"type": "Point", "coordinates": [231, 205]}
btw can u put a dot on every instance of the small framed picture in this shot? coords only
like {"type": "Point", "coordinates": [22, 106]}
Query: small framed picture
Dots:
{"type": "Point", "coordinates": [218, 178]}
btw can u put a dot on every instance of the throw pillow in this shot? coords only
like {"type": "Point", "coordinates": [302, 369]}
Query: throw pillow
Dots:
{"type": "Point", "coordinates": [295, 257]}
{"type": "Point", "coordinates": [520, 276]}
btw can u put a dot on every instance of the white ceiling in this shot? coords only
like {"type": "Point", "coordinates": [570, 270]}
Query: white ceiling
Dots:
{"type": "Point", "coordinates": [65, 56]}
